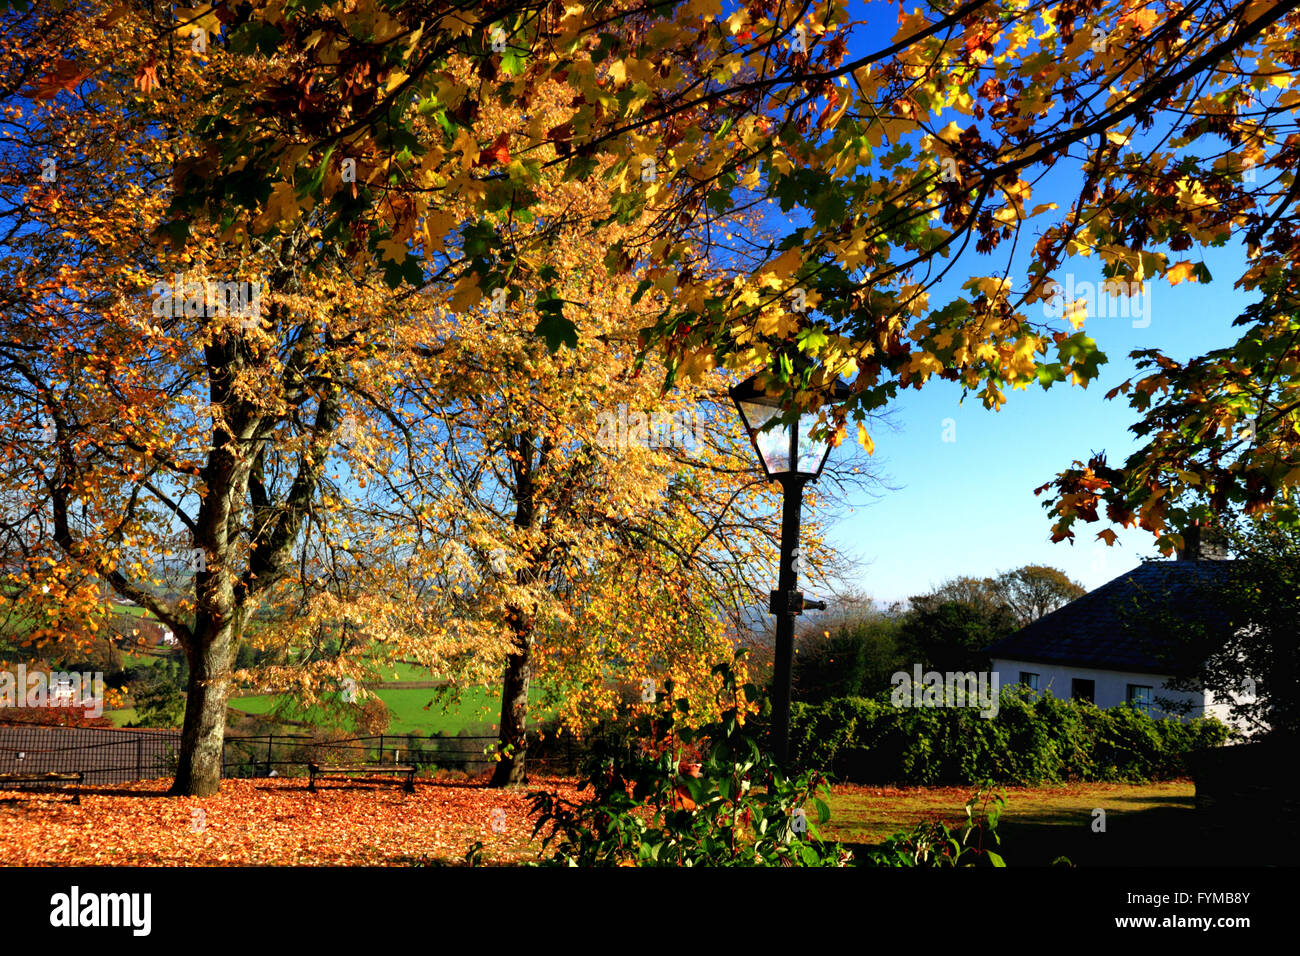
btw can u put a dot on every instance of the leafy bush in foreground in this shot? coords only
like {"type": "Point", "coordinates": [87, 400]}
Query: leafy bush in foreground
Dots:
{"type": "Point", "coordinates": [711, 796]}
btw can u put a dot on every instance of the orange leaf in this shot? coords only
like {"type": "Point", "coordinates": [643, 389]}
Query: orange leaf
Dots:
{"type": "Point", "coordinates": [147, 78]}
{"type": "Point", "coordinates": [500, 150]}
{"type": "Point", "coordinates": [1178, 272]}
{"type": "Point", "coordinates": [63, 78]}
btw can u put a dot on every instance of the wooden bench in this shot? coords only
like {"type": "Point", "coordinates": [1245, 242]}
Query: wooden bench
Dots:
{"type": "Point", "coordinates": [315, 770]}
{"type": "Point", "coordinates": [74, 777]}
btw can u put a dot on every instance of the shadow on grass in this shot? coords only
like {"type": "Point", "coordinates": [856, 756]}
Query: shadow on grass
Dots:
{"type": "Point", "coordinates": [1158, 836]}
{"type": "Point", "coordinates": [1161, 836]}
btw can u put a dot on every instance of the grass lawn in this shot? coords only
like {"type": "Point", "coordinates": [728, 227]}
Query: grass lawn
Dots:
{"type": "Point", "coordinates": [1145, 825]}
{"type": "Point", "coordinates": [131, 610]}
{"type": "Point", "coordinates": [862, 814]}
{"type": "Point", "coordinates": [146, 658]}
{"type": "Point", "coordinates": [476, 712]}
{"type": "Point", "coordinates": [121, 718]}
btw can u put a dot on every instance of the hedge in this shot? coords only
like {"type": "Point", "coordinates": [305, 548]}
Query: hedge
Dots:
{"type": "Point", "coordinates": [1033, 739]}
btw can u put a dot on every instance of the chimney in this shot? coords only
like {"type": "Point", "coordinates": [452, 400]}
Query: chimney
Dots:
{"type": "Point", "coordinates": [1201, 543]}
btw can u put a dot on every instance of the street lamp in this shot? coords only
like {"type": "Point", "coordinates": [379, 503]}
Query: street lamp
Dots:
{"type": "Point", "coordinates": [791, 456]}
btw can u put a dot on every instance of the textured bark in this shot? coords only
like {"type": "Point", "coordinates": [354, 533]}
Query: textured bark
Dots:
{"type": "Point", "coordinates": [199, 771]}
{"type": "Point", "coordinates": [512, 769]}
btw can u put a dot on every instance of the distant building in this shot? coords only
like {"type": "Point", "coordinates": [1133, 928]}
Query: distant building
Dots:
{"type": "Point", "coordinates": [1090, 649]}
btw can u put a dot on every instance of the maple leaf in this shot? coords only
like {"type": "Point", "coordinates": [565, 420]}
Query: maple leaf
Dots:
{"type": "Point", "coordinates": [1144, 20]}
{"type": "Point", "coordinates": [1180, 271]}
{"type": "Point", "coordinates": [63, 78]}
{"type": "Point", "coordinates": [393, 250]}
{"type": "Point", "coordinates": [146, 80]}
{"type": "Point", "coordinates": [500, 150]}
{"type": "Point", "coordinates": [865, 440]}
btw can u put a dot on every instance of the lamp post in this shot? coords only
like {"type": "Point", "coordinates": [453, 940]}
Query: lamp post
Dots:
{"type": "Point", "coordinates": [789, 455]}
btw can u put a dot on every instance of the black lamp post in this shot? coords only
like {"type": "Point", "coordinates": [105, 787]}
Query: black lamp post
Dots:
{"type": "Point", "coordinates": [790, 456]}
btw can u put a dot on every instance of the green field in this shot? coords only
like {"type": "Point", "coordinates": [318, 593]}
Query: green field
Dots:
{"type": "Point", "coordinates": [476, 712]}
{"type": "Point", "coordinates": [121, 718]}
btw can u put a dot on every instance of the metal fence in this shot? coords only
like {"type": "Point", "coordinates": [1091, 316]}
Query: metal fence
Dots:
{"type": "Point", "coordinates": [289, 753]}
{"type": "Point", "coordinates": [120, 756]}
{"type": "Point", "coordinates": [104, 756]}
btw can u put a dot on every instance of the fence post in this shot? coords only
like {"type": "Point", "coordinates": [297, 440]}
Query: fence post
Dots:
{"type": "Point", "coordinates": [381, 748]}
{"type": "Point", "coordinates": [270, 740]}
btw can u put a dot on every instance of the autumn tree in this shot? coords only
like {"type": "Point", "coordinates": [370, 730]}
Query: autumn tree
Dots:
{"type": "Point", "coordinates": [281, 472]}
{"type": "Point", "coordinates": [175, 413]}
{"type": "Point", "coordinates": [614, 530]}
{"type": "Point", "coordinates": [1219, 435]}
{"type": "Point", "coordinates": [902, 164]}
{"type": "Point", "coordinates": [1034, 590]}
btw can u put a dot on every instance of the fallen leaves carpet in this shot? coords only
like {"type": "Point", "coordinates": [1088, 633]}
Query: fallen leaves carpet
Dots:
{"type": "Point", "coordinates": [270, 822]}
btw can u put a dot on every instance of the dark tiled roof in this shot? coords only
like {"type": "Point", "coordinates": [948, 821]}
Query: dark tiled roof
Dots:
{"type": "Point", "coordinates": [1103, 629]}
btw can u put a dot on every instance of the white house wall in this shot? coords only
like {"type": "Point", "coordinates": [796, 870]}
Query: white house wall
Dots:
{"type": "Point", "coordinates": [1111, 687]}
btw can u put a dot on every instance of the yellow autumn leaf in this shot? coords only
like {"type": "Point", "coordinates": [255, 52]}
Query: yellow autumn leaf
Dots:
{"type": "Point", "coordinates": [950, 133]}
{"type": "Point", "coordinates": [1180, 271]}
{"type": "Point", "coordinates": [437, 223]}
{"type": "Point", "coordinates": [466, 294]}
{"type": "Point", "coordinates": [393, 250]}
{"type": "Point", "coordinates": [865, 440]}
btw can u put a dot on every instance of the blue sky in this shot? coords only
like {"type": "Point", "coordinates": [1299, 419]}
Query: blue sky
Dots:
{"type": "Point", "coordinates": [967, 506]}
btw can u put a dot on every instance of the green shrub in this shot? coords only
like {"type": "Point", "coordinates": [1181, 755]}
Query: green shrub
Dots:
{"type": "Point", "coordinates": [711, 796]}
{"type": "Point", "coordinates": [1033, 739]}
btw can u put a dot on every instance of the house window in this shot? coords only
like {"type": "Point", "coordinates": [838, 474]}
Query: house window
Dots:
{"type": "Point", "coordinates": [1029, 680]}
{"type": "Point", "coordinates": [1083, 690]}
{"type": "Point", "coordinates": [1140, 697]}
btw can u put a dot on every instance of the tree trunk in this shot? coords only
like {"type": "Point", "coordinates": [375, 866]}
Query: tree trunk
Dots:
{"type": "Point", "coordinates": [203, 734]}
{"type": "Point", "coordinates": [511, 770]}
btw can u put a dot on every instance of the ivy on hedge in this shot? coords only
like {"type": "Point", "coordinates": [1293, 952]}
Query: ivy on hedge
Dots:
{"type": "Point", "coordinates": [1033, 739]}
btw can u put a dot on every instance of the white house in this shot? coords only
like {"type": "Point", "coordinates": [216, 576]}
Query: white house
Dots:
{"type": "Point", "coordinates": [1091, 650]}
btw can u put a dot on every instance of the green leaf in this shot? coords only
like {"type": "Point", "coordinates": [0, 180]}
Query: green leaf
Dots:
{"type": "Point", "coordinates": [823, 810]}
{"type": "Point", "coordinates": [812, 340]}
{"type": "Point", "coordinates": [580, 168]}
{"type": "Point", "coordinates": [512, 62]}
{"type": "Point", "coordinates": [408, 271]}
{"type": "Point", "coordinates": [556, 329]}
{"type": "Point", "coordinates": [255, 36]}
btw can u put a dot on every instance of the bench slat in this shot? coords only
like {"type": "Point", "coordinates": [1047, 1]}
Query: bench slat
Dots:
{"type": "Point", "coordinates": [395, 770]}
{"type": "Point", "coordinates": [362, 768]}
